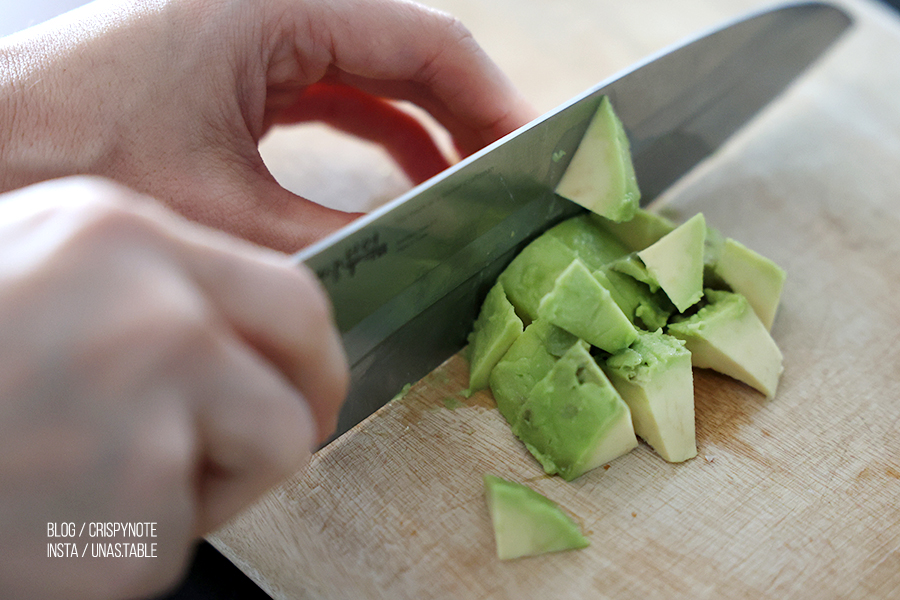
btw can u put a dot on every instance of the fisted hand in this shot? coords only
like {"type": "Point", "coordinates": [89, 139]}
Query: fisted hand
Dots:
{"type": "Point", "coordinates": [150, 370]}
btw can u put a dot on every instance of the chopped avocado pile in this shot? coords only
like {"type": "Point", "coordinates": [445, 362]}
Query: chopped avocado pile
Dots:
{"type": "Point", "coordinates": [591, 332]}
{"type": "Point", "coordinates": [589, 337]}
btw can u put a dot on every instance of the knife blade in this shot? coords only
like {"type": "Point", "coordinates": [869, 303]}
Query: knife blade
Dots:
{"type": "Point", "coordinates": [406, 281]}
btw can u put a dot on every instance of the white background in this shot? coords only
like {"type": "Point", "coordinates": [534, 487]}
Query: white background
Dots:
{"type": "Point", "coordinates": [19, 14]}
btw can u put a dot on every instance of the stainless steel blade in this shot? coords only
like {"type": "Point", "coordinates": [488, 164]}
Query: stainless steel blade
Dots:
{"type": "Point", "coordinates": [406, 281]}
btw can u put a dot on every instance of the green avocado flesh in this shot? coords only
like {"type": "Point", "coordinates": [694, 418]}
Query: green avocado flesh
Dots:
{"type": "Point", "coordinates": [644, 229]}
{"type": "Point", "coordinates": [573, 420]}
{"type": "Point", "coordinates": [528, 360]}
{"type": "Point", "coordinates": [600, 176]}
{"type": "Point", "coordinates": [754, 276]}
{"type": "Point", "coordinates": [527, 523]}
{"type": "Point", "coordinates": [654, 378]}
{"type": "Point", "coordinates": [495, 330]}
{"type": "Point", "coordinates": [616, 311]}
{"type": "Point", "coordinates": [727, 336]}
{"type": "Point", "coordinates": [533, 272]}
{"type": "Point", "coordinates": [675, 262]}
{"type": "Point", "coordinates": [579, 304]}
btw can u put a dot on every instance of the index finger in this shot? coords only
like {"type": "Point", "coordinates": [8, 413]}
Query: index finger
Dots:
{"type": "Point", "coordinates": [400, 49]}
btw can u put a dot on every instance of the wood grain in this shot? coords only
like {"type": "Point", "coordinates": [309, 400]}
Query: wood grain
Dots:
{"type": "Point", "coordinates": [798, 497]}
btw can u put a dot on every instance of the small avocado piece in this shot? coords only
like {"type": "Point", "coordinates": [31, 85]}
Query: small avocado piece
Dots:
{"type": "Point", "coordinates": [573, 420]}
{"type": "Point", "coordinates": [644, 308]}
{"type": "Point", "coordinates": [583, 307]}
{"type": "Point", "coordinates": [726, 336]}
{"type": "Point", "coordinates": [600, 176]}
{"type": "Point", "coordinates": [527, 523]}
{"type": "Point", "coordinates": [642, 230]}
{"type": "Point", "coordinates": [754, 276]}
{"type": "Point", "coordinates": [527, 361]}
{"type": "Point", "coordinates": [675, 261]}
{"type": "Point", "coordinates": [634, 267]}
{"type": "Point", "coordinates": [712, 250]}
{"type": "Point", "coordinates": [496, 328]}
{"type": "Point", "coordinates": [532, 273]}
{"type": "Point", "coordinates": [654, 378]}
{"type": "Point", "coordinates": [594, 246]}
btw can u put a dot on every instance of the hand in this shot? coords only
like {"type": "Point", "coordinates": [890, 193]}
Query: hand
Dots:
{"type": "Point", "coordinates": [172, 97]}
{"type": "Point", "coordinates": [151, 371]}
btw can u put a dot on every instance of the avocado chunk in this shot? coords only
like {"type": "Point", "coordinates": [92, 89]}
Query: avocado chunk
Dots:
{"type": "Point", "coordinates": [642, 230]}
{"type": "Point", "coordinates": [594, 246]}
{"type": "Point", "coordinates": [654, 378]}
{"type": "Point", "coordinates": [496, 328]}
{"type": "Point", "coordinates": [527, 523]}
{"type": "Point", "coordinates": [527, 361]}
{"type": "Point", "coordinates": [573, 420]}
{"type": "Point", "coordinates": [726, 336]}
{"type": "Point", "coordinates": [675, 261]}
{"type": "Point", "coordinates": [532, 273]}
{"type": "Point", "coordinates": [635, 268]}
{"type": "Point", "coordinates": [644, 308]}
{"type": "Point", "coordinates": [754, 276]}
{"type": "Point", "coordinates": [579, 304]}
{"type": "Point", "coordinates": [600, 176]}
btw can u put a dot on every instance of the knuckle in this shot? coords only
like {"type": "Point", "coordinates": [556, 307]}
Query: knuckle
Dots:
{"type": "Point", "coordinates": [94, 210]}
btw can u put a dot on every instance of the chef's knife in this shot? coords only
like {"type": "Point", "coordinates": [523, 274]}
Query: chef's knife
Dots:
{"type": "Point", "coordinates": [406, 281]}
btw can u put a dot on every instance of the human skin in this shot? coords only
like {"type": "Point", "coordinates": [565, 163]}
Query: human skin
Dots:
{"type": "Point", "coordinates": [172, 98]}
{"type": "Point", "coordinates": [156, 368]}
{"type": "Point", "coordinates": [151, 370]}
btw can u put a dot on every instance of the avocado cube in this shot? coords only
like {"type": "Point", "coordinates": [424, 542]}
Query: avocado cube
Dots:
{"type": "Point", "coordinates": [634, 267]}
{"type": "Point", "coordinates": [583, 307]}
{"type": "Point", "coordinates": [654, 378]}
{"type": "Point", "coordinates": [527, 523]}
{"type": "Point", "coordinates": [675, 261]}
{"type": "Point", "coordinates": [532, 273]}
{"type": "Point", "coordinates": [644, 308]}
{"type": "Point", "coordinates": [496, 328]}
{"type": "Point", "coordinates": [573, 420]}
{"type": "Point", "coordinates": [642, 230]}
{"type": "Point", "coordinates": [726, 335]}
{"type": "Point", "coordinates": [594, 246]}
{"type": "Point", "coordinates": [754, 276]}
{"type": "Point", "coordinates": [527, 361]}
{"type": "Point", "coordinates": [600, 176]}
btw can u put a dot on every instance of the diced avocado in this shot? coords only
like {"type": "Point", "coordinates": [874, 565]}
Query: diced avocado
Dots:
{"type": "Point", "coordinates": [527, 523]}
{"type": "Point", "coordinates": [727, 336]}
{"type": "Point", "coordinates": [650, 310]}
{"type": "Point", "coordinates": [654, 378]}
{"type": "Point", "coordinates": [754, 276]}
{"type": "Point", "coordinates": [496, 328]}
{"type": "Point", "coordinates": [642, 230]}
{"type": "Point", "coordinates": [527, 361]}
{"type": "Point", "coordinates": [532, 273]}
{"type": "Point", "coordinates": [676, 262]}
{"type": "Point", "coordinates": [600, 176]}
{"type": "Point", "coordinates": [634, 267]}
{"type": "Point", "coordinates": [573, 419]}
{"type": "Point", "coordinates": [583, 307]}
{"type": "Point", "coordinates": [593, 245]}
{"type": "Point", "coordinates": [654, 311]}
{"type": "Point", "coordinates": [712, 250]}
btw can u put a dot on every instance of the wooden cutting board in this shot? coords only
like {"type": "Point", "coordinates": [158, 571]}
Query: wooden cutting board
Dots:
{"type": "Point", "coordinates": [798, 497]}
